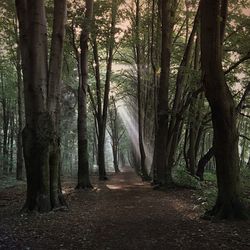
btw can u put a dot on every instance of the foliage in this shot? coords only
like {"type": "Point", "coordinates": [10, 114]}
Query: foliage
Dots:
{"type": "Point", "coordinates": [123, 80]}
{"type": "Point", "coordinates": [184, 179]}
{"type": "Point", "coordinates": [206, 195]}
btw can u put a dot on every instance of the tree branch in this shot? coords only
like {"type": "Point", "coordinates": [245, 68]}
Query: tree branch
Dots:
{"type": "Point", "coordinates": [245, 137]}
{"type": "Point", "coordinates": [243, 98]}
{"type": "Point", "coordinates": [235, 65]}
{"type": "Point", "coordinates": [247, 116]}
{"type": "Point", "coordinates": [92, 102]}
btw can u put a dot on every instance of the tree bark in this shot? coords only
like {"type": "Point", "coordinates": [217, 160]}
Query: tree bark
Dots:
{"type": "Point", "coordinates": [143, 169]}
{"type": "Point", "coordinates": [11, 141]}
{"type": "Point", "coordinates": [225, 142]}
{"type": "Point", "coordinates": [54, 97]}
{"type": "Point", "coordinates": [6, 119]}
{"type": "Point", "coordinates": [83, 157]}
{"type": "Point", "coordinates": [114, 132]}
{"type": "Point", "coordinates": [41, 140]}
{"type": "Point", "coordinates": [162, 174]}
{"type": "Point", "coordinates": [99, 116]}
{"type": "Point", "coordinates": [19, 154]}
{"type": "Point", "coordinates": [203, 162]}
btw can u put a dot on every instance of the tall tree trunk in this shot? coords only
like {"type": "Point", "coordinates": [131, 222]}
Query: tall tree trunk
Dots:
{"type": "Point", "coordinates": [243, 146]}
{"type": "Point", "coordinates": [143, 169]}
{"type": "Point", "coordinates": [102, 110]}
{"type": "Point", "coordinates": [225, 142]}
{"type": "Point", "coordinates": [162, 174]}
{"type": "Point", "coordinates": [100, 137]}
{"type": "Point", "coordinates": [101, 152]}
{"type": "Point", "coordinates": [19, 154]}
{"type": "Point", "coordinates": [114, 133]}
{"type": "Point", "coordinates": [11, 147]}
{"type": "Point", "coordinates": [38, 123]}
{"type": "Point", "coordinates": [182, 76]}
{"type": "Point", "coordinates": [53, 102]}
{"type": "Point", "coordinates": [5, 136]}
{"type": "Point", "coordinates": [42, 94]}
{"type": "Point", "coordinates": [6, 118]}
{"type": "Point", "coordinates": [115, 157]}
{"type": "Point", "coordinates": [83, 157]}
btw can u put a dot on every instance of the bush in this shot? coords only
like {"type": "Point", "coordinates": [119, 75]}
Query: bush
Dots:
{"type": "Point", "coordinates": [210, 177]}
{"type": "Point", "coordinates": [184, 179]}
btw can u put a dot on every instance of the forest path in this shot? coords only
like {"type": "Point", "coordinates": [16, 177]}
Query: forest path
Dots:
{"type": "Point", "coordinates": [120, 214]}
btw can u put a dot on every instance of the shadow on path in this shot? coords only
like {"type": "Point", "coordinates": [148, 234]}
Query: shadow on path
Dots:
{"type": "Point", "coordinates": [123, 213]}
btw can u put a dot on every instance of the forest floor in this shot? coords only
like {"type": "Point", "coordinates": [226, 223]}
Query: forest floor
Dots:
{"type": "Point", "coordinates": [120, 214]}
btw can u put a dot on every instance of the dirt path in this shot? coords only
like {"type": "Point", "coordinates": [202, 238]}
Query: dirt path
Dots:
{"type": "Point", "coordinates": [120, 214]}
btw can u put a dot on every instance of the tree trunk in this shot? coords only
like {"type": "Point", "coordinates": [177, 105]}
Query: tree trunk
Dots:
{"type": "Point", "coordinates": [115, 156]}
{"type": "Point", "coordinates": [143, 171]}
{"type": "Point", "coordinates": [100, 132]}
{"type": "Point", "coordinates": [243, 146]}
{"type": "Point", "coordinates": [182, 76]}
{"type": "Point", "coordinates": [101, 153]}
{"type": "Point", "coordinates": [102, 112]}
{"type": "Point", "coordinates": [114, 132]}
{"type": "Point", "coordinates": [42, 95]}
{"type": "Point", "coordinates": [162, 174]}
{"type": "Point", "coordinates": [83, 157]}
{"type": "Point", "coordinates": [19, 154]}
{"type": "Point", "coordinates": [11, 136]}
{"type": "Point", "coordinates": [203, 162]}
{"type": "Point", "coordinates": [53, 102]}
{"type": "Point", "coordinates": [6, 118]}
{"type": "Point", "coordinates": [225, 142]}
{"type": "Point", "coordinates": [248, 163]}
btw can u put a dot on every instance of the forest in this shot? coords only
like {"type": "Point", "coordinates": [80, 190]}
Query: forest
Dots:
{"type": "Point", "coordinates": [124, 124]}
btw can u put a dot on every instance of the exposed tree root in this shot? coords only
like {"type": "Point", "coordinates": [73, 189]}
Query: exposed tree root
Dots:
{"type": "Point", "coordinates": [44, 207]}
{"type": "Point", "coordinates": [234, 210]}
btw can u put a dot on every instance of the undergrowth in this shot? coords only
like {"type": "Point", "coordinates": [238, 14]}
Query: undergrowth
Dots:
{"type": "Point", "coordinates": [206, 195]}
{"type": "Point", "coordinates": [183, 179]}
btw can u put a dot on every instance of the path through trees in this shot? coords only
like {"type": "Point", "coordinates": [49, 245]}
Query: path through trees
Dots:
{"type": "Point", "coordinates": [123, 213]}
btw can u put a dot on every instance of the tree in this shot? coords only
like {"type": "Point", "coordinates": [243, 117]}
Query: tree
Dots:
{"type": "Point", "coordinates": [41, 139]}
{"type": "Point", "coordinates": [6, 122]}
{"type": "Point", "coordinates": [19, 154]}
{"type": "Point", "coordinates": [12, 89]}
{"type": "Point", "coordinates": [162, 174]}
{"type": "Point", "coordinates": [143, 169]}
{"type": "Point", "coordinates": [19, 143]}
{"type": "Point", "coordinates": [101, 111]}
{"type": "Point", "coordinates": [225, 143]}
{"type": "Point", "coordinates": [83, 161]}
{"type": "Point", "coordinates": [115, 132]}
